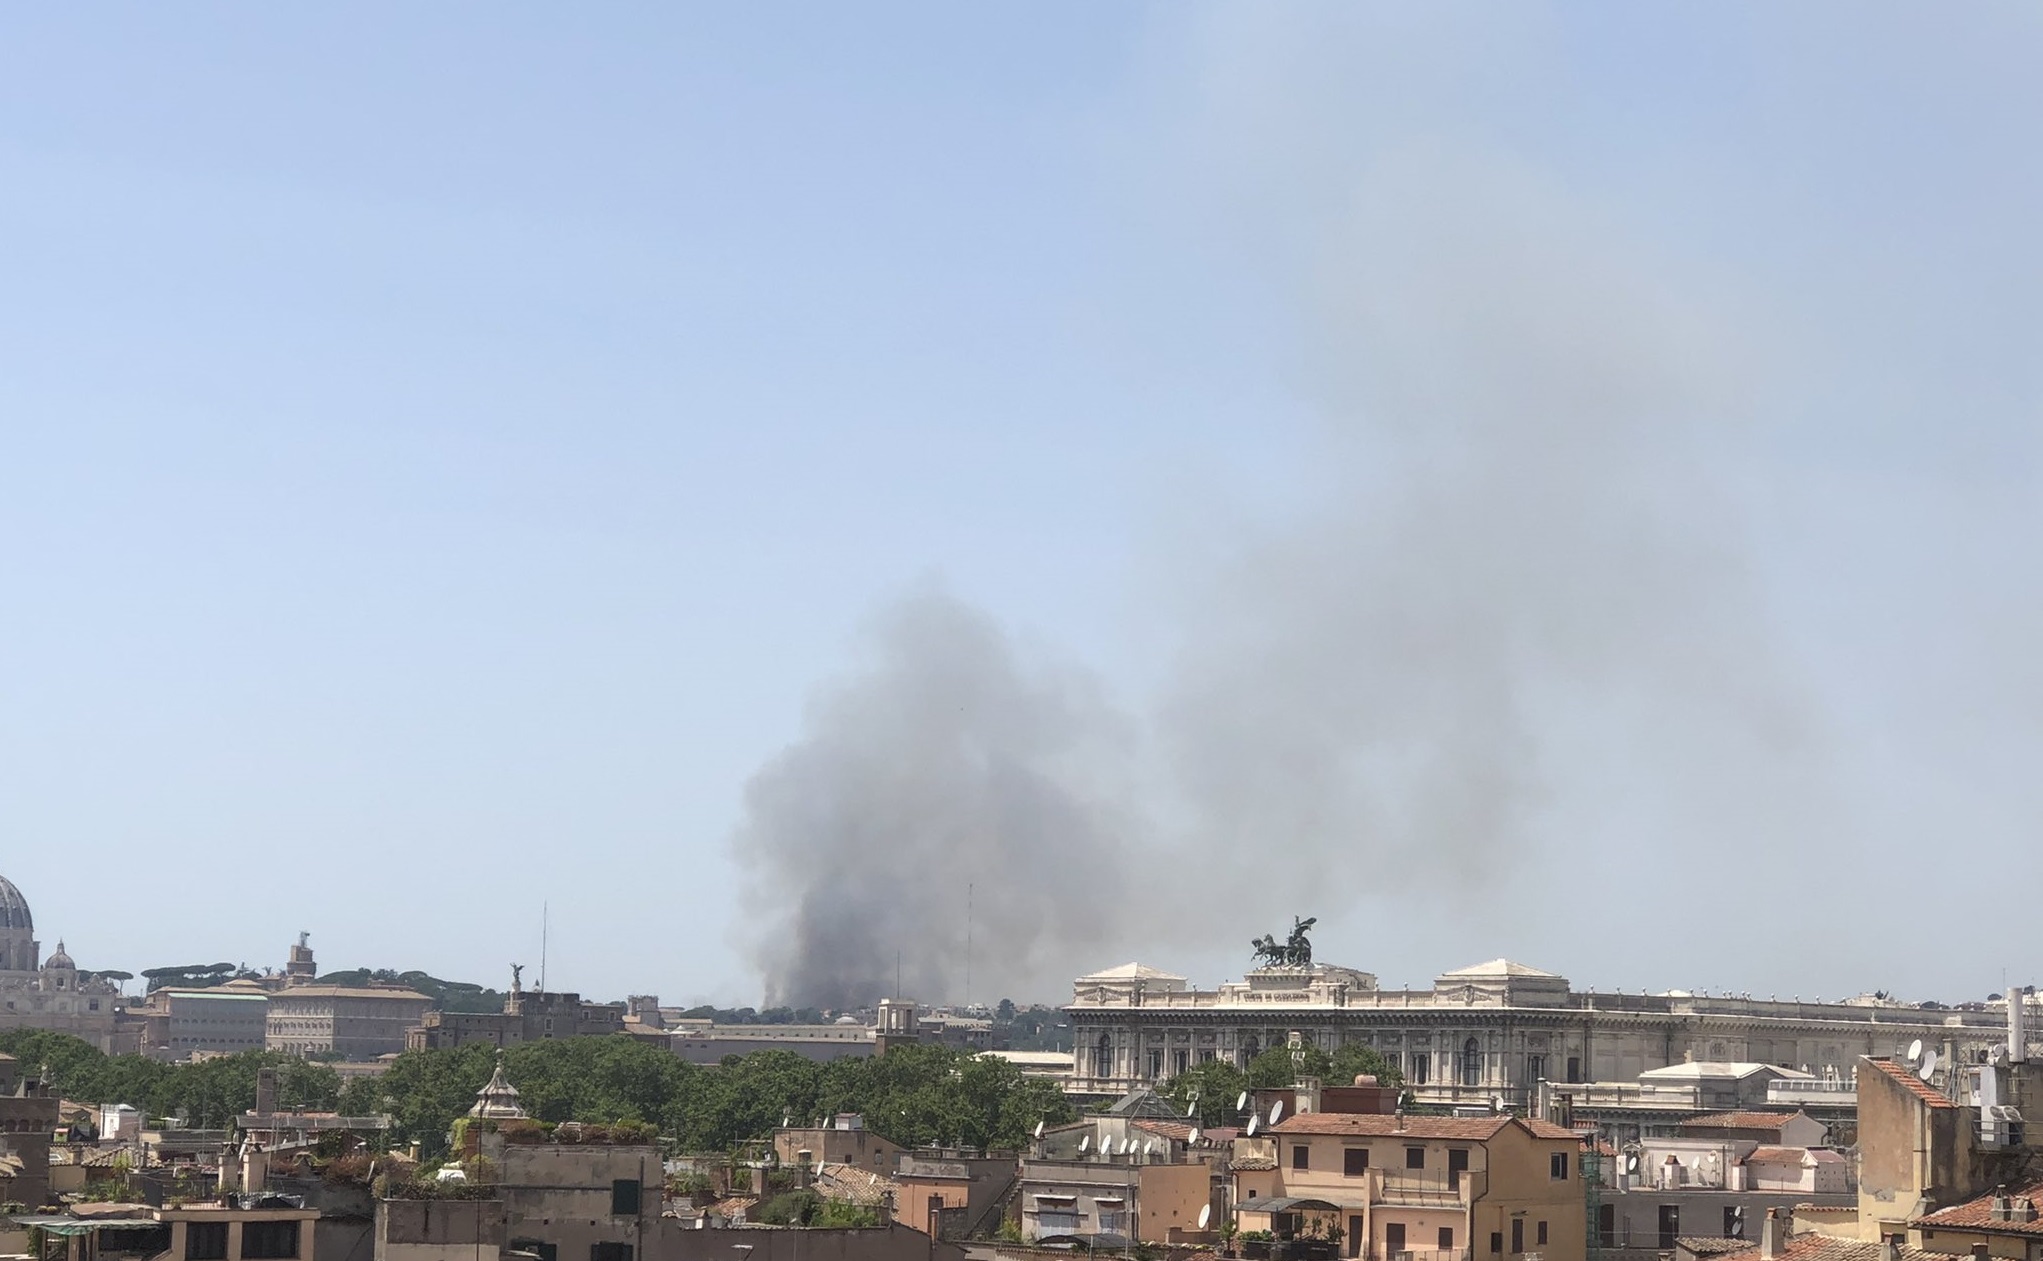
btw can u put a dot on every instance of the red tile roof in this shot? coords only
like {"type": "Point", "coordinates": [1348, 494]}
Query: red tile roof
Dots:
{"type": "Point", "coordinates": [1772, 1121]}
{"type": "Point", "coordinates": [1379, 1125]}
{"type": "Point", "coordinates": [1177, 1130]}
{"type": "Point", "coordinates": [1814, 1247]}
{"type": "Point", "coordinates": [1978, 1214]}
{"type": "Point", "coordinates": [1910, 1082]}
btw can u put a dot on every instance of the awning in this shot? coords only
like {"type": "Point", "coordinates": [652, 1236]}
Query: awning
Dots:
{"type": "Point", "coordinates": [1284, 1204]}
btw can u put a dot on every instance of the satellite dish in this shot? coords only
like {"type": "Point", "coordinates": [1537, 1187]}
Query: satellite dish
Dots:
{"type": "Point", "coordinates": [1929, 1065]}
{"type": "Point", "coordinates": [1915, 1050]}
{"type": "Point", "coordinates": [1631, 1162]}
{"type": "Point", "coordinates": [1148, 1149]}
{"type": "Point", "coordinates": [1085, 1144]}
{"type": "Point", "coordinates": [1039, 1129]}
{"type": "Point", "coordinates": [1192, 1107]}
{"type": "Point", "coordinates": [785, 1121]}
{"type": "Point", "coordinates": [1251, 1130]}
{"type": "Point", "coordinates": [1241, 1102]}
{"type": "Point", "coordinates": [1276, 1112]}
{"type": "Point", "coordinates": [1193, 1141]}
{"type": "Point", "coordinates": [1205, 1215]}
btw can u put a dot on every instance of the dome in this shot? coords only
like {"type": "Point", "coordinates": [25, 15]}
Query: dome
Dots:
{"type": "Point", "coordinates": [14, 908]}
{"type": "Point", "coordinates": [60, 961]}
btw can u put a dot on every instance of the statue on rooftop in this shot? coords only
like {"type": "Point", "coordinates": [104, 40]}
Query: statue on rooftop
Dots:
{"type": "Point", "coordinates": [1295, 952]}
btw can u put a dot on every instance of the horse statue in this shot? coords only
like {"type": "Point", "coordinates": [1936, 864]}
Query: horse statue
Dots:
{"type": "Point", "coordinates": [1267, 952]}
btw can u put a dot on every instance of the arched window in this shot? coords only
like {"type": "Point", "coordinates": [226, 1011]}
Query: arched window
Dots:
{"type": "Point", "coordinates": [1471, 1063]}
{"type": "Point", "coordinates": [1251, 1047]}
{"type": "Point", "coordinates": [1103, 1061]}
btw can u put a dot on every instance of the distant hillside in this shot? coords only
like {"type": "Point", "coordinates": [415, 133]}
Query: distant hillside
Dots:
{"type": "Point", "coordinates": [446, 995]}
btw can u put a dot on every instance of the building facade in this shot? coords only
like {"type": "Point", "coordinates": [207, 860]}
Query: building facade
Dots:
{"type": "Point", "coordinates": [1480, 1034]}
{"type": "Point", "coordinates": [226, 1020]}
{"type": "Point", "coordinates": [527, 1017]}
{"type": "Point", "coordinates": [353, 1022]}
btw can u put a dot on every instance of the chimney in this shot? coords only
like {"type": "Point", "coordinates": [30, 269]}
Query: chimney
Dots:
{"type": "Point", "coordinates": [1979, 1252]}
{"type": "Point", "coordinates": [2018, 1020]}
{"type": "Point", "coordinates": [1770, 1235]}
{"type": "Point", "coordinates": [265, 1091]}
{"type": "Point", "coordinates": [1888, 1250]}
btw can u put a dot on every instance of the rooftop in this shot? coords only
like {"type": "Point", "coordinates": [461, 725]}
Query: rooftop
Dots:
{"type": "Point", "coordinates": [1379, 1125]}
{"type": "Point", "coordinates": [1771, 1121]}
{"type": "Point", "coordinates": [1501, 967]}
{"type": "Point", "coordinates": [1978, 1214]}
{"type": "Point", "coordinates": [1908, 1081]}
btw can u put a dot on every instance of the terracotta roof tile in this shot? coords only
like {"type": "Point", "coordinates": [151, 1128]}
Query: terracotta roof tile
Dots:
{"type": "Point", "coordinates": [1978, 1214]}
{"type": "Point", "coordinates": [1739, 1121]}
{"type": "Point", "coordinates": [1166, 1129]}
{"type": "Point", "coordinates": [1379, 1125]}
{"type": "Point", "coordinates": [1910, 1082]}
{"type": "Point", "coordinates": [1807, 1247]}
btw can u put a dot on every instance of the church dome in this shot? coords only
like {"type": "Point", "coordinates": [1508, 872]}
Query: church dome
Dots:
{"type": "Point", "coordinates": [14, 908]}
{"type": "Point", "coordinates": [60, 961]}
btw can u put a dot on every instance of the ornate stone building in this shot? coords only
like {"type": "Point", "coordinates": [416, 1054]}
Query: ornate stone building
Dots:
{"type": "Point", "coordinates": [1493, 1030]}
{"type": "Point", "coordinates": [38, 993]}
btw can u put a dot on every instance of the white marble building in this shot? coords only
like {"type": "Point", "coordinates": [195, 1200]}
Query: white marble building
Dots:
{"type": "Point", "coordinates": [1488, 1031]}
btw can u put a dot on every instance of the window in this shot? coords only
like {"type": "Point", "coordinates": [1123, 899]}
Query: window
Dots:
{"type": "Point", "coordinates": [269, 1241]}
{"type": "Point", "coordinates": [1415, 1158]}
{"type": "Point", "coordinates": [1103, 1058]}
{"type": "Point", "coordinates": [1056, 1222]}
{"type": "Point", "coordinates": [609, 1252]}
{"type": "Point", "coordinates": [1535, 1067]}
{"type": "Point", "coordinates": [1114, 1221]}
{"type": "Point", "coordinates": [1496, 1241]}
{"type": "Point", "coordinates": [539, 1248]}
{"type": "Point", "coordinates": [1355, 1162]}
{"type": "Point", "coordinates": [1180, 1061]}
{"type": "Point", "coordinates": [1457, 1165]}
{"type": "Point", "coordinates": [1471, 1063]}
{"type": "Point", "coordinates": [1539, 1234]}
{"type": "Point", "coordinates": [205, 1241]}
{"type": "Point", "coordinates": [1301, 1155]}
{"type": "Point", "coordinates": [1155, 1063]}
{"type": "Point", "coordinates": [1206, 1056]}
{"type": "Point", "coordinates": [624, 1197]}
{"type": "Point", "coordinates": [1517, 1234]}
{"type": "Point", "coordinates": [1557, 1166]}
{"type": "Point", "coordinates": [1606, 1225]}
{"type": "Point", "coordinates": [1447, 1239]}
{"type": "Point", "coordinates": [1670, 1225]}
{"type": "Point", "coordinates": [1422, 1065]}
{"type": "Point", "coordinates": [1394, 1237]}
{"type": "Point", "coordinates": [1574, 1068]}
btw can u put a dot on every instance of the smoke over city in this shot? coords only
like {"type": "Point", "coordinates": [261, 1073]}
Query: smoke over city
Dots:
{"type": "Point", "coordinates": [1508, 565]}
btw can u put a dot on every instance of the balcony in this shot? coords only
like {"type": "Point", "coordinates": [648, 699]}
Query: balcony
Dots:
{"type": "Point", "coordinates": [1424, 1190]}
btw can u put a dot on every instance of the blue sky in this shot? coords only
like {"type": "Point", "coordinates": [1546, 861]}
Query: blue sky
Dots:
{"type": "Point", "coordinates": [441, 452]}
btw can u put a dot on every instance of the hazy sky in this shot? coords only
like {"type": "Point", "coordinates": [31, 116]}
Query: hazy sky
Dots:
{"type": "Point", "coordinates": [1547, 481]}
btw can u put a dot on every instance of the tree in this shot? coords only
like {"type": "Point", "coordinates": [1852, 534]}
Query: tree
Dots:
{"type": "Point", "coordinates": [1275, 1068]}
{"type": "Point", "coordinates": [1216, 1084]}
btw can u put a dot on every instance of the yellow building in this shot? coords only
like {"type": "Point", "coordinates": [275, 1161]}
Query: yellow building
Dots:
{"type": "Point", "coordinates": [1459, 1188]}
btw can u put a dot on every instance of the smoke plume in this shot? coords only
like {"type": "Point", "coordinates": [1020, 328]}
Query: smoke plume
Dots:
{"type": "Point", "coordinates": [953, 758]}
{"type": "Point", "coordinates": [1504, 602]}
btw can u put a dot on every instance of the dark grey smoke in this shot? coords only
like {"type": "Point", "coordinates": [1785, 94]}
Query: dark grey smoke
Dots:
{"type": "Point", "coordinates": [1505, 605]}
{"type": "Point", "coordinates": [952, 759]}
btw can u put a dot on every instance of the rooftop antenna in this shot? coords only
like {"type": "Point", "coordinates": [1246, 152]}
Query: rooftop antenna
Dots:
{"type": "Point", "coordinates": [968, 944]}
{"type": "Point", "coordinates": [543, 908]}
